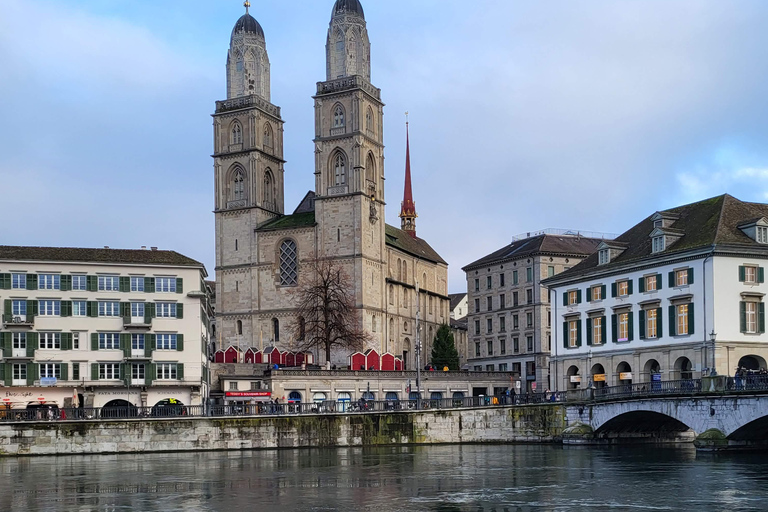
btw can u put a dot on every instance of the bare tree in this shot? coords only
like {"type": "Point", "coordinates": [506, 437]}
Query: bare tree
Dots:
{"type": "Point", "coordinates": [325, 307]}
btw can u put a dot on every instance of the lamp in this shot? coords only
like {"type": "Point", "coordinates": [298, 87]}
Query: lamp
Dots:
{"type": "Point", "coordinates": [712, 338]}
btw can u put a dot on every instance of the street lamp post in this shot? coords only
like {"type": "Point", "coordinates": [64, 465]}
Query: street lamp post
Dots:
{"type": "Point", "coordinates": [712, 338]}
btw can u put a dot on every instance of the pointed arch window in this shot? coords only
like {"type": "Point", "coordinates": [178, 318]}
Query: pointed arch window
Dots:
{"type": "Point", "coordinates": [269, 190]}
{"type": "Point", "coordinates": [237, 134]}
{"type": "Point", "coordinates": [338, 117]}
{"type": "Point", "coordinates": [276, 330]}
{"type": "Point", "coordinates": [369, 120]}
{"type": "Point", "coordinates": [302, 328]}
{"type": "Point", "coordinates": [370, 171]}
{"type": "Point", "coordinates": [238, 185]}
{"type": "Point", "coordinates": [340, 169]}
{"type": "Point", "coordinates": [268, 135]}
{"type": "Point", "coordinates": [289, 264]}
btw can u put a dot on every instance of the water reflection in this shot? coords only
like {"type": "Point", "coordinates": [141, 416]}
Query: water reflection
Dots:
{"type": "Point", "coordinates": [443, 479]}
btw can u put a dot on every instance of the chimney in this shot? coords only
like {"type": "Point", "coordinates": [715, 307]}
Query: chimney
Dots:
{"type": "Point", "coordinates": [144, 247]}
{"type": "Point", "coordinates": [154, 248]}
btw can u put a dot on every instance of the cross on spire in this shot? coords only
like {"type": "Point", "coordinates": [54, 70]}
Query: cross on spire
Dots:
{"type": "Point", "coordinates": [247, 6]}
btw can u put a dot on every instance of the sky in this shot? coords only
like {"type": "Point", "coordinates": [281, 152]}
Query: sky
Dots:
{"type": "Point", "coordinates": [574, 114]}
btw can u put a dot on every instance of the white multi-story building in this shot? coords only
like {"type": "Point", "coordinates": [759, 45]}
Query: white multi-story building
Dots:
{"type": "Point", "coordinates": [679, 294]}
{"type": "Point", "coordinates": [98, 327]}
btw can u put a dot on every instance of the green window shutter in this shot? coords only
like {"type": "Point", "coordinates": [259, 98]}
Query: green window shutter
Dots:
{"type": "Point", "coordinates": [565, 335]}
{"type": "Point", "coordinates": [631, 326]}
{"type": "Point", "coordinates": [66, 308]}
{"type": "Point", "coordinates": [125, 283]}
{"type": "Point", "coordinates": [75, 371]}
{"type": "Point", "coordinates": [672, 279]}
{"type": "Point", "coordinates": [125, 343]}
{"type": "Point", "coordinates": [149, 285]}
{"type": "Point", "coordinates": [565, 298]}
{"type": "Point", "coordinates": [641, 284]}
{"type": "Point", "coordinates": [92, 283]}
{"type": "Point", "coordinates": [150, 342]}
{"type": "Point", "coordinates": [64, 371]}
{"type": "Point", "coordinates": [760, 275]}
{"type": "Point", "coordinates": [2, 373]}
{"type": "Point", "coordinates": [659, 323]}
{"type": "Point", "coordinates": [658, 281]}
{"type": "Point", "coordinates": [7, 308]}
{"type": "Point", "coordinates": [32, 343]}
{"type": "Point", "coordinates": [150, 309]}
{"type": "Point", "coordinates": [125, 309]}
{"type": "Point", "coordinates": [150, 374]}
{"type": "Point", "coordinates": [180, 342]}
{"type": "Point", "coordinates": [742, 273]}
{"type": "Point", "coordinates": [589, 331]}
{"type": "Point", "coordinates": [66, 341]}
{"type": "Point", "coordinates": [31, 281]}
{"type": "Point", "coordinates": [690, 276]}
{"type": "Point", "coordinates": [643, 326]}
{"type": "Point", "coordinates": [589, 294]}
{"type": "Point", "coordinates": [92, 308]}
{"type": "Point", "coordinates": [33, 308]}
{"type": "Point", "coordinates": [94, 341]}
{"type": "Point", "coordinates": [179, 310]}
{"type": "Point", "coordinates": [5, 282]}
{"type": "Point", "coordinates": [761, 317]}
{"type": "Point", "coordinates": [66, 283]}
{"type": "Point", "coordinates": [179, 285]}
{"type": "Point", "coordinates": [33, 373]}
{"type": "Point", "coordinates": [578, 333]}
{"type": "Point", "coordinates": [125, 373]}
{"type": "Point", "coordinates": [94, 371]}
{"type": "Point", "coordinates": [630, 284]}
{"type": "Point", "coordinates": [8, 374]}
{"type": "Point", "coordinates": [602, 292]}
{"type": "Point", "coordinates": [7, 344]}
{"type": "Point", "coordinates": [614, 328]}
{"type": "Point", "coordinates": [613, 290]}
{"type": "Point", "coordinates": [690, 318]}
{"type": "Point", "coordinates": [180, 371]}
{"type": "Point", "coordinates": [672, 324]}
{"type": "Point", "coordinates": [603, 333]}
{"type": "Point", "coordinates": [578, 296]}
{"type": "Point", "coordinates": [743, 316]}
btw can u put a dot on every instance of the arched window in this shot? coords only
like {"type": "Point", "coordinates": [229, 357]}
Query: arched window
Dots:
{"type": "Point", "coordinates": [267, 135]}
{"type": "Point", "coordinates": [276, 329]}
{"type": "Point", "coordinates": [405, 298]}
{"type": "Point", "coordinates": [391, 295]}
{"type": "Point", "coordinates": [289, 263]}
{"type": "Point", "coordinates": [269, 190]}
{"type": "Point", "coordinates": [373, 323]}
{"type": "Point", "coordinates": [238, 188]}
{"type": "Point", "coordinates": [302, 328]}
{"type": "Point", "coordinates": [340, 169]}
{"type": "Point", "coordinates": [369, 120]}
{"type": "Point", "coordinates": [424, 281]}
{"type": "Point", "coordinates": [370, 170]}
{"type": "Point", "coordinates": [338, 116]}
{"type": "Point", "coordinates": [405, 271]}
{"type": "Point", "coordinates": [237, 134]}
{"type": "Point", "coordinates": [399, 270]}
{"type": "Point", "coordinates": [239, 327]}
{"type": "Point", "coordinates": [340, 56]}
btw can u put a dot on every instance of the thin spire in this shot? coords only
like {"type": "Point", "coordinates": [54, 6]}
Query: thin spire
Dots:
{"type": "Point", "coordinates": [247, 6]}
{"type": "Point", "coordinates": [408, 207]}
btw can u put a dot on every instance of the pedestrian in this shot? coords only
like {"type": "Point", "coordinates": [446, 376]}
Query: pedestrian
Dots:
{"type": "Point", "coordinates": [513, 395]}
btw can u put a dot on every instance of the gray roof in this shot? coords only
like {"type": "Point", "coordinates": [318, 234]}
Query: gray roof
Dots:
{"type": "Point", "coordinates": [565, 245]}
{"type": "Point", "coordinates": [80, 254]}
{"type": "Point", "coordinates": [399, 239]}
{"type": "Point", "coordinates": [248, 23]}
{"type": "Point", "coordinates": [348, 7]}
{"type": "Point", "coordinates": [456, 298]}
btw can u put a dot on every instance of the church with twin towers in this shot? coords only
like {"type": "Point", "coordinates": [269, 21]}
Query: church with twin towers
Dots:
{"type": "Point", "coordinates": [262, 250]}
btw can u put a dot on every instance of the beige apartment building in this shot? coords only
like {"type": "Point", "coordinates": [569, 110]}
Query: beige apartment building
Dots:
{"type": "Point", "coordinates": [509, 321]}
{"type": "Point", "coordinates": [102, 327]}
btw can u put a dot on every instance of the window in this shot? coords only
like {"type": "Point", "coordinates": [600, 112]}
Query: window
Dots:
{"type": "Point", "coordinates": [752, 317]}
{"type": "Point", "coordinates": [477, 305]}
{"type": "Point", "coordinates": [289, 269]}
{"type": "Point", "coordinates": [597, 293]}
{"type": "Point", "coordinates": [391, 295]}
{"type": "Point", "coordinates": [604, 256]}
{"type": "Point", "coordinates": [50, 340]}
{"type": "Point", "coordinates": [489, 282]}
{"type": "Point", "coordinates": [623, 319]}
{"type": "Point", "coordinates": [50, 371]}
{"type": "Point", "coordinates": [528, 274]}
{"type": "Point", "coordinates": [340, 170]}
{"type": "Point", "coordinates": [682, 320]}
{"type": "Point", "coordinates": [477, 349]}
{"type": "Point", "coordinates": [529, 296]}
{"type": "Point", "coordinates": [573, 297]}
{"type": "Point", "coordinates": [622, 288]}
{"type": "Point", "coordinates": [166, 342]}
{"type": "Point", "coordinates": [762, 235]}
{"type": "Point", "coordinates": [138, 371]}
{"type": "Point", "coordinates": [502, 346]}
{"type": "Point", "coordinates": [651, 323]}
{"type": "Point", "coordinates": [165, 309]}
{"type": "Point", "coordinates": [651, 283]}
{"type": "Point", "coordinates": [681, 277]}
{"type": "Point", "coordinates": [338, 117]}
{"type": "Point", "coordinates": [233, 385]}
{"type": "Point", "coordinates": [165, 284]}
{"type": "Point", "coordinates": [137, 309]}
{"type": "Point", "coordinates": [268, 135]}
{"type": "Point", "coordinates": [109, 371]}
{"type": "Point", "coordinates": [79, 308]}
{"type": "Point", "coordinates": [137, 342]}
{"type": "Point", "coordinates": [79, 283]}
{"type": "Point", "coordinates": [109, 341]}
{"type": "Point", "coordinates": [255, 386]}
{"type": "Point", "coordinates": [50, 307]}
{"type": "Point", "coordinates": [503, 367]}
{"type": "Point", "coordinates": [19, 281]}
{"type": "Point", "coordinates": [502, 301]}
{"type": "Point", "coordinates": [502, 324]}
{"type": "Point", "coordinates": [49, 282]}
{"type": "Point", "coordinates": [477, 285]}
{"type": "Point", "coordinates": [573, 333]}
{"type": "Point", "coordinates": [489, 303]}
{"type": "Point", "coordinates": [477, 326]}
{"type": "Point", "coordinates": [109, 308]}
{"type": "Point", "coordinates": [137, 284]}
{"type": "Point", "coordinates": [489, 367]}
{"type": "Point", "coordinates": [20, 371]}
{"type": "Point", "coordinates": [515, 300]}
{"type": "Point", "coordinates": [237, 134]}
{"type": "Point", "coordinates": [167, 371]}
{"type": "Point", "coordinates": [369, 120]}
{"type": "Point", "coordinates": [489, 325]}
{"type": "Point", "coordinates": [515, 322]}
{"type": "Point", "coordinates": [658, 244]}
{"type": "Point", "coordinates": [109, 283]}
{"type": "Point", "coordinates": [490, 347]}
{"type": "Point", "coordinates": [597, 330]}
{"type": "Point", "coordinates": [529, 319]}
{"type": "Point", "coordinates": [75, 341]}
{"type": "Point", "coordinates": [750, 274]}
{"type": "Point", "coordinates": [515, 279]}
{"type": "Point", "coordinates": [529, 342]}
{"type": "Point", "coordinates": [516, 345]}
{"type": "Point", "coordinates": [19, 308]}
{"type": "Point", "coordinates": [550, 271]}
{"type": "Point", "coordinates": [238, 189]}
{"type": "Point", "coordinates": [501, 279]}
{"type": "Point", "coordinates": [20, 340]}
{"type": "Point", "coordinates": [75, 371]}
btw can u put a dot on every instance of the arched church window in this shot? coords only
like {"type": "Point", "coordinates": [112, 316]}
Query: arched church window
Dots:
{"type": "Point", "coordinates": [269, 190]}
{"type": "Point", "coordinates": [369, 120]}
{"type": "Point", "coordinates": [338, 116]}
{"type": "Point", "coordinates": [399, 270]}
{"type": "Point", "coordinates": [238, 188]}
{"type": "Point", "coordinates": [405, 271]}
{"type": "Point", "coordinates": [276, 330]}
{"type": "Point", "coordinates": [340, 56]}
{"type": "Point", "coordinates": [237, 134]}
{"type": "Point", "coordinates": [340, 169]}
{"type": "Point", "coordinates": [370, 170]}
{"type": "Point", "coordinates": [373, 323]}
{"type": "Point", "coordinates": [239, 327]}
{"type": "Point", "coordinates": [302, 328]}
{"type": "Point", "coordinates": [391, 295]}
{"type": "Point", "coordinates": [289, 263]}
{"type": "Point", "coordinates": [267, 135]}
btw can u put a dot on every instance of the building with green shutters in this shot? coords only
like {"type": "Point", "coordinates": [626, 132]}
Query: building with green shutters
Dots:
{"type": "Point", "coordinates": [102, 327]}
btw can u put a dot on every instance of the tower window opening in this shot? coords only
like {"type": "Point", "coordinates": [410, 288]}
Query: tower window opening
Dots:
{"type": "Point", "coordinates": [238, 189]}
{"type": "Point", "coordinates": [340, 170]}
{"type": "Point", "coordinates": [338, 117]}
{"type": "Point", "coordinates": [237, 134]}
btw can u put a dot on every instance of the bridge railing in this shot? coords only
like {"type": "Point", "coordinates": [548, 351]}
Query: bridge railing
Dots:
{"type": "Point", "coordinates": [646, 389]}
{"type": "Point", "coordinates": [751, 382]}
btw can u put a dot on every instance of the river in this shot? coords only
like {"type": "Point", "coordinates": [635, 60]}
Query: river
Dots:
{"type": "Point", "coordinates": [470, 478]}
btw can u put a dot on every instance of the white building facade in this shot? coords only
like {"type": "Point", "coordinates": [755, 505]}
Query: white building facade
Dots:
{"type": "Point", "coordinates": [101, 327]}
{"type": "Point", "coordinates": [678, 296]}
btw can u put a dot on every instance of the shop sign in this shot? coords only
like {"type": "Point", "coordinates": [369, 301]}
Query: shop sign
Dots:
{"type": "Point", "coordinates": [249, 394]}
{"type": "Point", "coordinates": [625, 376]}
{"type": "Point", "coordinates": [656, 377]}
{"type": "Point", "coordinates": [575, 378]}
{"type": "Point", "coordinates": [598, 377]}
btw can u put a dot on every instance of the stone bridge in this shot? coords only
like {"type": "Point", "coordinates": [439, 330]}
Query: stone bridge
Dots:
{"type": "Point", "coordinates": [713, 422]}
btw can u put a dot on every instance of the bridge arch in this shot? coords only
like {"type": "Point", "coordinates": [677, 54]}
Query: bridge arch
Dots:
{"type": "Point", "coordinates": [641, 422]}
{"type": "Point", "coordinates": [755, 430]}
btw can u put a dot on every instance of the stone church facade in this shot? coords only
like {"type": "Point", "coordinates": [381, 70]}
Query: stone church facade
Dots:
{"type": "Point", "coordinates": [261, 252]}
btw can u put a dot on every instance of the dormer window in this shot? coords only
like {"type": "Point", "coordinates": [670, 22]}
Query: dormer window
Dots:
{"type": "Point", "coordinates": [762, 235]}
{"type": "Point", "coordinates": [658, 244]}
{"type": "Point", "coordinates": [658, 223]}
{"type": "Point", "coordinates": [604, 256]}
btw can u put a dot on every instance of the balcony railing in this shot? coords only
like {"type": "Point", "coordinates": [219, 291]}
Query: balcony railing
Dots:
{"type": "Point", "coordinates": [10, 320]}
{"type": "Point", "coordinates": [137, 322]}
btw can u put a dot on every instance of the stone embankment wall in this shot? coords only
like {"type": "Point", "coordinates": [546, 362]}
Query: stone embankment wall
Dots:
{"type": "Point", "coordinates": [542, 423]}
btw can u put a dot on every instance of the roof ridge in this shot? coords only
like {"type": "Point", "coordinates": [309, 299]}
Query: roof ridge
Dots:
{"type": "Point", "coordinates": [725, 197]}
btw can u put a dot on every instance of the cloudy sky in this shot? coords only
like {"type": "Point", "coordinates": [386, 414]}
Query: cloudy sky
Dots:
{"type": "Point", "coordinates": [525, 115]}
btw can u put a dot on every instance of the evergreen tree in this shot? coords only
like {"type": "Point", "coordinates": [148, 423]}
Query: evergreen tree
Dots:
{"type": "Point", "coordinates": [444, 351]}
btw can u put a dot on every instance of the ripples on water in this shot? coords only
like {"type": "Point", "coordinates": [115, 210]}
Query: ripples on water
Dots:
{"type": "Point", "coordinates": [474, 478]}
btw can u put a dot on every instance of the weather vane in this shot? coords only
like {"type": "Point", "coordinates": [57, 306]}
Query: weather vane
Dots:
{"type": "Point", "coordinates": [247, 5]}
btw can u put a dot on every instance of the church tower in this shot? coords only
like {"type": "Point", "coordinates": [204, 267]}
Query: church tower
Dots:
{"type": "Point", "coordinates": [248, 173]}
{"type": "Point", "coordinates": [408, 207]}
{"type": "Point", "coordinates": [349, 160]}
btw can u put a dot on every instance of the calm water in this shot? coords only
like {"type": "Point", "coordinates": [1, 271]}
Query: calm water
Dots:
{"type": "Point", "coordinates": [447, 479]}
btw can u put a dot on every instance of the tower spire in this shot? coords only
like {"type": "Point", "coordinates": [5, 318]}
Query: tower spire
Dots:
{"type": "Point", "coordinates": [408, 206]}
{"type": "Point", "coordinates": [247, 6]}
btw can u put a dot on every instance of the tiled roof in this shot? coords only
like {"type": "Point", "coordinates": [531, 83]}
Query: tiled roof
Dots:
{"type": "Point", "coordinates": [549, 244]}
{"type": "Point", "coordinates": [456, 298]}
{"type": "Point", "coordinates": [710, 223]}
{"type": "Point", "coordinates": [459, 324]}
{"type": "Point", "coordinates": [399, 239]}
{"type": "Point", "coordinates": [79, 254]}
{"type": "Point", "coordinates": [297, 220]}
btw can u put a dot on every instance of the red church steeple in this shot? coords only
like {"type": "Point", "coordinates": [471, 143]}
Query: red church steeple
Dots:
{"type": "Point", "coordinates": [408, 207]}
